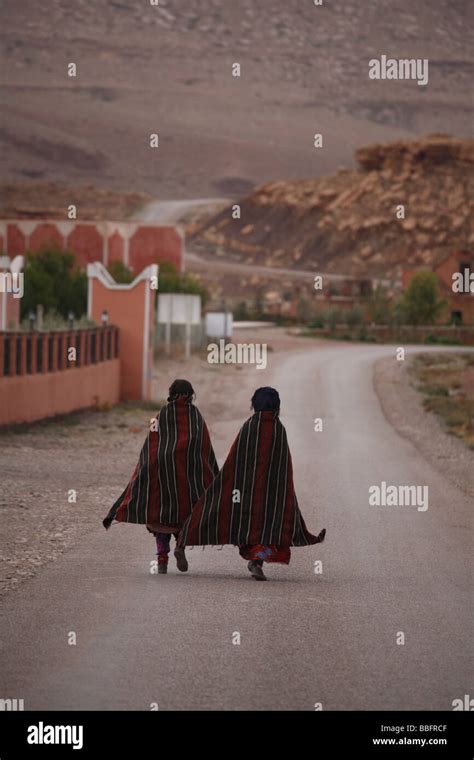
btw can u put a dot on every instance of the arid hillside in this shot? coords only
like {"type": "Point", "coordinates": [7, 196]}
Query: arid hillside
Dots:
{"type": "Point", "coordinates": [50, 200]}
{"type": "Point", "coordinates": [351, 222]}
{"type": "Point", "coordinates": [167, 70]}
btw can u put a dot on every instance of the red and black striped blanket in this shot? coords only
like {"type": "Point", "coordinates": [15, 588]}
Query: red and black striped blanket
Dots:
{"type": "Point", "coordinates": [252, 500]}
{"type": "Point", "coordinates": [176, 465]}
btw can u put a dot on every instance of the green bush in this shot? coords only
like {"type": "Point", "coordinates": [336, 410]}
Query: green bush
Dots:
{"type": "Point", "coordinates": [443, 340]}
{"type": "Point", "coordinates": [120, 272]}
{"type": "Point", "coordinates": [379, 307]}
{"type": "Point", "coordinates": [332, 318]}
{"type": "Point", "coordinates": [241, 313]}
{"type": "Point", "coordinates": [302, 310]}
{"type": "Point", "coordinates": [317, 323]}
{"type": "Point", "coordinates": [354, 317]}
{"type": "Point", "coordinates": [53, 279]}
{"type": "Point", "coordinates": [421, 304]}
{"type": "Point", "coordinates": [171, 281]}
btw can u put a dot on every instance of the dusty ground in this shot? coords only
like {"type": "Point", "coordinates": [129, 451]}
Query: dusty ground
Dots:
{"type": "Point", "coordinates": [167, 70]}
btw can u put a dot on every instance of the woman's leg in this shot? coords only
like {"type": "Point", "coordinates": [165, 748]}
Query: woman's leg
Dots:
{"type": "Point", "coordinates": [162, 550]}
{"type": "Point", "coordinates": [259, 554]}
{"type": "Point", "coordinates": [180, 556]}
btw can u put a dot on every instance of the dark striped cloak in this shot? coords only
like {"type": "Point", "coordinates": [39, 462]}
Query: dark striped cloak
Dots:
{"type": "Point", "coordinates": [259, 468]}
{"type": "Point", "coordinates": [176, 465]}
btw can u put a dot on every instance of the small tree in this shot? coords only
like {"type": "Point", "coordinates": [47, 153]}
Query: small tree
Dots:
{"type": "Point", "coordinates": [171, 281]}
{"type": "Point", "coordinates": [259, 310]}
{"type": "Point", "coordinates": [379, 307]}
{"type": "Point", "coordinates": [241, 313]}
{"type": "Point", "coordinates": [354, 317]}
{"type": "Point", "coordinates": [53, 279]}
{"type": "Point", "coordinates": [421, 304]}
{"type": "Point", "coordinates": [303, 310]}
{"type": "Point", "coordinates": [120, 272]}
{"type": "Point", "coordinates": [332, 318]}
{"type": "Point", "coordinates": [317, 322]}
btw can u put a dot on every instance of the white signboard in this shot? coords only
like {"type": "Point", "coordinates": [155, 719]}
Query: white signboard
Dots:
{"type": "Point", "coordinates": [179, 309]}
{"type": "Point", "coordinates": [219, 324]}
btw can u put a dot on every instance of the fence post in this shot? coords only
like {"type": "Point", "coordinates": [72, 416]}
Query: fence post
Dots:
{"type": "Point", "coordinates": [23, 354]}
{"type": "Point", "coordinates": [102, 334]}
{"type": "Point", "coordinates": [45, 354]}
{"type": "Point", "coordinates": [34, 349]}
{"type": "Point", "coordinates": [54, 365]}
{"type": "Point", "coordinates": [12, 355]}
{"type": "Point", "coordinates": [80, 344]}
{"type": "Point", "coordinates": [70, 343]}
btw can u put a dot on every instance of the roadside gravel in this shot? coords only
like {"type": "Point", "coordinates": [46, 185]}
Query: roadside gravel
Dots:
{"type": "Point", "coordinates": [403, 406]}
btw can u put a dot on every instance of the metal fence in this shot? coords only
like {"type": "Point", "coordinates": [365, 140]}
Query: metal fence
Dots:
{"type": "Point", "coordinates": [31, 353]}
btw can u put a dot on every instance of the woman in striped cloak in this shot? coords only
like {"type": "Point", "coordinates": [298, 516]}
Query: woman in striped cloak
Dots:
{"type": "Point", "coordinates": [252, 502]}
{"type": "Point", "coordinates": [176, 465]}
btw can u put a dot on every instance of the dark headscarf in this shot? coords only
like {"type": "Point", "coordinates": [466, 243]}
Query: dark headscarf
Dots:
{"type": "Point", "coordinates": [266, 400]}
{"type": "Point", "coordinates": [180, 388]}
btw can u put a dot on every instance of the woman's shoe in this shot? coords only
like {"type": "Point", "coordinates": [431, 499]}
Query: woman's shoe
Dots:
{"type": "Point", "coordinates": [181, 561]}
{"type": "Point", "coordinates": [256, 570]}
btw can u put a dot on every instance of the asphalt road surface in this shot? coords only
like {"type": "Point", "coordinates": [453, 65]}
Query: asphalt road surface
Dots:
{"type": "Point", "coordinates": [172, 212]}
{"type": "Point", "coordinates": [305, 638]}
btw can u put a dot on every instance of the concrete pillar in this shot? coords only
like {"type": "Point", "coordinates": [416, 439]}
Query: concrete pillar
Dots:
{"type": "Point", "coordinates": [130, 308]}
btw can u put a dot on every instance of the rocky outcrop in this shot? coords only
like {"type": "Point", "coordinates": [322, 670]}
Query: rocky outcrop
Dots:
{"type": "Point", "coordinates": [409, 155]}
{"type": "Point", "coordinates": [408, 204]}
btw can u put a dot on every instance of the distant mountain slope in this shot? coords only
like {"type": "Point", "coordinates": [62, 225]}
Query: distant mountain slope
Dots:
{"type": "Point", "coordinates": [166, 69]}
{"type": "Point", "coordinates": [347, 222]}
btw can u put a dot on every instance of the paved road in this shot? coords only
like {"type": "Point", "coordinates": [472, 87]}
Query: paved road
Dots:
{"type": "Point", "coordinates": [305, 638]}
{"type": "Point", "coordinates": [172, 212]}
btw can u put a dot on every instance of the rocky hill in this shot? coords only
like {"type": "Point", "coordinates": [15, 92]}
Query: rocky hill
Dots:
{"type": "Point", "coordinates": [350, 222]}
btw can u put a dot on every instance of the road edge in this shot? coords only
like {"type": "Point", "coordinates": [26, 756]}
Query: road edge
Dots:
{"type": "Point", "coordinates": [403, 409]}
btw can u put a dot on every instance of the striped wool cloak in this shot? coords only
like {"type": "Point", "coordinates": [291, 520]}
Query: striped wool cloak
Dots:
{"type": "Point", "coordinates": [176, 465]}
{"type": "Point", "coordinates": [252, 501]}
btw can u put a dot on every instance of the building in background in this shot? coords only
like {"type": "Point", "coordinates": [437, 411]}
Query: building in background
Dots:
{"type": "Point", "coordinates": [460, 306]}
{"type": "Point", "coordinates": [135, 245]}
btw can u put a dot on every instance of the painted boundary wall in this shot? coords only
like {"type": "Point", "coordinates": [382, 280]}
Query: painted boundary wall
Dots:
{"type": "Point", "coordinates": [37, 380]}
